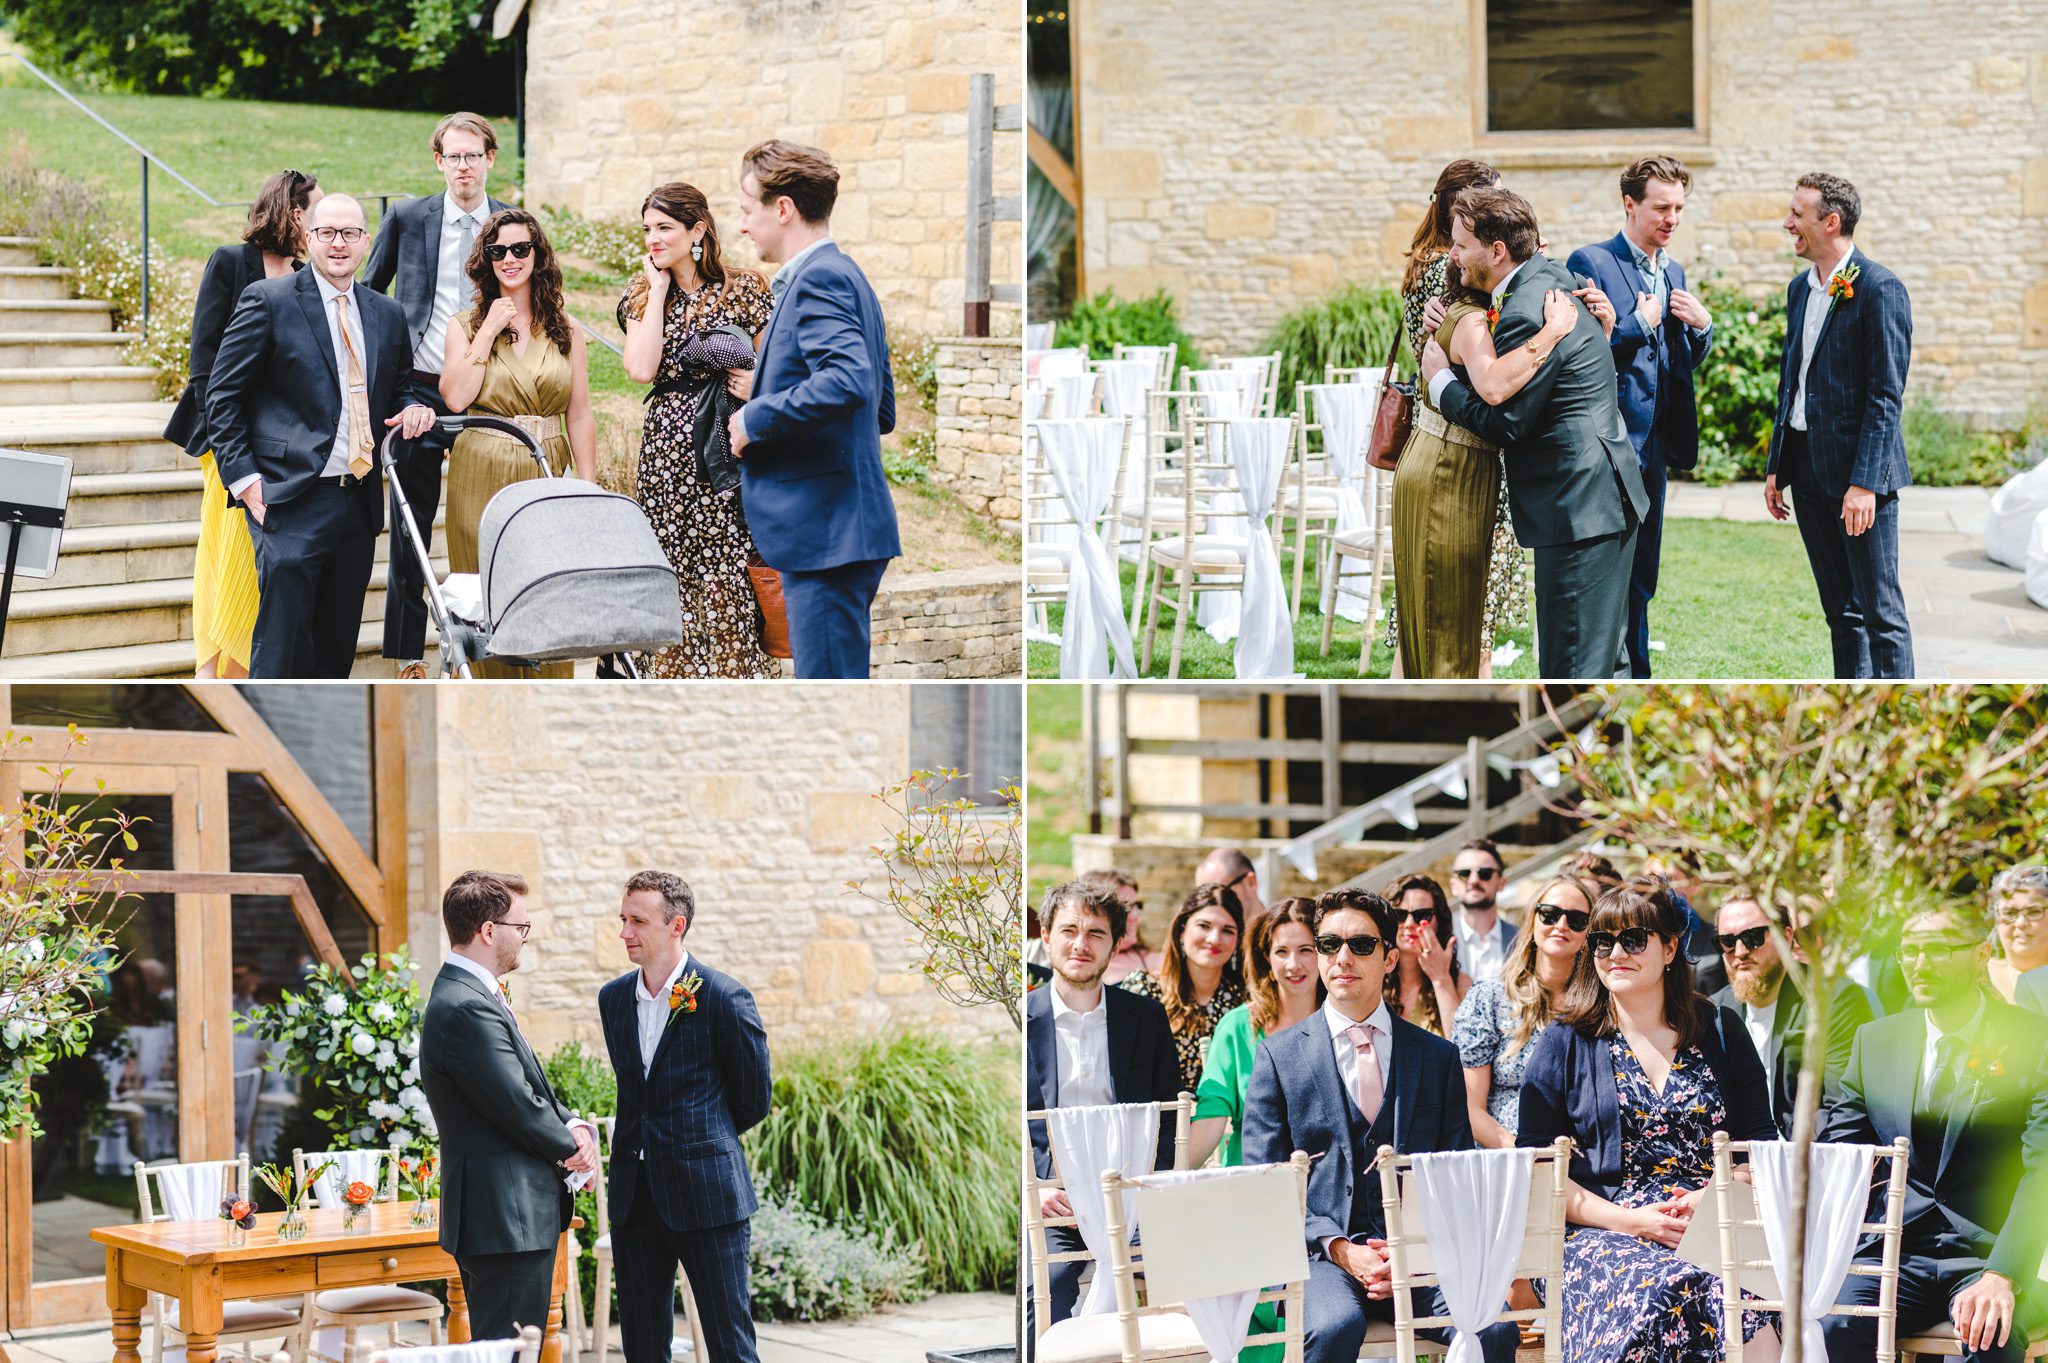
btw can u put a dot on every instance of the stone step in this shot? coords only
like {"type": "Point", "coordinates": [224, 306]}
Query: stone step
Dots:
{"type": "Point", "coordinates": [18, 251]}
{"type": "Point", "coordinates": [135, 498]}
{"type": "Point", "coordinates": [55, 314]}
{"type": "Point", "coordinates": [104, 438]}
{"type": "Point", "coordinates": [174, 659]}
{"type": "Point", "coordinates": [62, 349]}
{"type": "Point", "coordinates": [77, 384]}
{"type": "Point", "coordinates": [35, 281]}
{"type": "Point", "coordinates": [104, 555]}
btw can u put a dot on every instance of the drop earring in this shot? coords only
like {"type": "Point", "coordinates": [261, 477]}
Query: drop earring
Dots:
{"type": "Point", "coordinates": [697, 249]}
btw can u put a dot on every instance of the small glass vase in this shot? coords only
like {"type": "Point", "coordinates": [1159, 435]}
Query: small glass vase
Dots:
{"type": "Point", "coordinates": [355, 1218]}
{"type": "Point", "coordinates": [238, 1235]}
{"type": "Point", "coordinates": [423, 1213]}
{"type": "Point", "coordinates": [293, 1227]}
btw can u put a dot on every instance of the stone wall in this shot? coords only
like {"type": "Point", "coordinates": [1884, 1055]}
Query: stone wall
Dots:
{"type": "Point", "coordinates": [1248, 187]}
{"type": "Point", "coordinates": [964, 622]}
{"type": "Point", "coordinates": [622, 99]}
{"type": "Point", "coordinates": [760, 796]}
{"type": "Point", "coordinates": [980, 411]}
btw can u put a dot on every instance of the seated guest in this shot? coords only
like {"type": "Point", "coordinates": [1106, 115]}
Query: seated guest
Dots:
{"type": "Point", "coordinates": [1682, 889]}
{"type": "Point", "coordinates": [2020, 899]}
{"type": "Point", "coordinates": [1130, 956]}
{"type": "Point", "coordinates": [1200, 978]}
{"type": "Point", "coordinates": [1343, 1083]}
{"type": "Point", "coordinates": [1761, 991]}
{"type": "Point", "coordinates": [1425, 986]}
{"type": "Point", "coordinates": [1500, 1018]}
{"type": "Point", "coordinates": [1280, 975]}
{"type": "Point", "coordinates": [1964, 1075]}
{"type": "Point", "coordinates": [1085, 1046]}
{"type": "Point", "coordinates": [1233, 870]}
{"type": "Point", "coordinates": [1478, 875]}
{"type": "Point", "coordinates": [1640, 1072]}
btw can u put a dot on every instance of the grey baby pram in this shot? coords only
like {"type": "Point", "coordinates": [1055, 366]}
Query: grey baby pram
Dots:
{"type": "Point", "coordinates": [564, 570]}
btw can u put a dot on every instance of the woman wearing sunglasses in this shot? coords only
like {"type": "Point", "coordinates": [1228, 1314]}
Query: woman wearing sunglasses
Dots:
{"type": "Point", "coordinates": [1425, 986]}
{"type": "Point", "coordinates": [1640, 1072]}
{"type": "Point", "coordinates": [1499, 1019]}
{"type": "Point", "coordinates": [516, 355]}
{"type": "Point", "coordinates": [1201, 976]}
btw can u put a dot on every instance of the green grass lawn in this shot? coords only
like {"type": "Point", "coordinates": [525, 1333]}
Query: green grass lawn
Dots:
{"type": "Point", "coordinates": [1054, 809]}
{"type": "Point", "coordinates": [1733, 600]}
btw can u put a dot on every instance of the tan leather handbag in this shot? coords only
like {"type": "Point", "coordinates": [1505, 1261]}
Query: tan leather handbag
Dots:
{"type": "Point", "coordinates": [1396, 415]}
{"type": "Point", "coordinates": [774, 614]}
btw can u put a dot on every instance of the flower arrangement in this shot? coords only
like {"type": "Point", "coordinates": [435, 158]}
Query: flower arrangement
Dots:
{"type": "Point", "coordinates": [682, 995]}
{"type": "Point", "coordinates": [421, 1178]}
{"type": "Point", "coordinates": [292, 1191]}
{"type": "Point", "coordinates": [358, 1050]}
{"type": "Point", "coordinates": [240, 1214]}
{"type": "Point", "coordinates": [355, 1206]}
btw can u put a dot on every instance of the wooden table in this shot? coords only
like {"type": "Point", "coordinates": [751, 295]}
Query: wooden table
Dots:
{"type": "Point", "coordinates": [192, 1262]}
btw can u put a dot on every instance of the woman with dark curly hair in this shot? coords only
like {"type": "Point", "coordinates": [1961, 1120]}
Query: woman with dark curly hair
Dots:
{"type": "Point", "coordinates": [516, 355]}
{"type": "Point", "coordinates": [1425, 986]}
{"type": "Point", "coordinates": [1201, 976]}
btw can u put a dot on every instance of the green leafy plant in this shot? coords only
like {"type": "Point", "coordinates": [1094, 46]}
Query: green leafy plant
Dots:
{"type": "Point", "coordinates": [908, 462]}
{"type": "Point", "coordinates": [1351, 328]}
{"type": "Point", "coordinates": [1106, 321]}
{"type": "Point", "coordinates": [617, 244]}
{"type": "Point", "coordinates": [1736, 386]}
{"type": "Point", "coordinates": [582, 1079]}
{"type": "Point", "coordinates": [804, 1267]}
{"type": "Point", "coordinates": [1945, 451]}
{"type": "Point", "coordinates": [915, 359]}
{"type": "Point", "coordinates": [910, 1133]}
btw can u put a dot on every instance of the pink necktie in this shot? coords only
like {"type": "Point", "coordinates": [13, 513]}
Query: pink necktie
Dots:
{"type": "Point", "coordinates": [1369, 1089]}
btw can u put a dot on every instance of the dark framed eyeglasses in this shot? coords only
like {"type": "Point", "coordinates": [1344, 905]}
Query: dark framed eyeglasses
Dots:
{"type": "Point", "coordinates": [1575, 919]}
{"type": "Point", "coordinates": [1632, 941]}
{"type": "Point", "coordinates": [1475, 873]}
{"type": "Point", "coordinates": [519, 250]}
{"type": "Point", "coordinates": [1941, 951]}
{"type": "Point", "coordinates": [329, 235]}
{"type": "Point", "coordinates": [525, 930]}
{"type": "Point", "coordinates": [1364, 944]}
{"type": "Point", "coordinates": [1416, 915]}
{"type": "Point", "coordinates": [1752, 939]}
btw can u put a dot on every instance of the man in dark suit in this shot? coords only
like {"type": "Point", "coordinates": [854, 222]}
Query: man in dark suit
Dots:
{"type": "Point", "coordinates": [1837, 442]}
{"type": "Point", "coordinates": [311, 371]}
{"type": "Point", "coordinates": [1761, 992]}
{"type": "Point", "coordinates": [423, 246]}
{"type": "Point", "coordinates": [687, 1044]}
{"type": "Point", "coordinates": [810, 437]}
{"type": "Point", "coordinates": [1348, 1080]}
{"type": "Point", "coordinates": [1657, 344]}
{"type": "Point", "coordinates": [1085, 1045]}
{"type": "Point", "coordinates": [1574, 487]}
{"type": "Point", "coordinates": [506, 1139]}
{"type": "Point", "coordinates": [1964, 1075]}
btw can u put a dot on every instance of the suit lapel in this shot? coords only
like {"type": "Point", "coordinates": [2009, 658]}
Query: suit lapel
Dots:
{"type": "Point", "coordinates": [1898, 1075]}
{"type": "Point", "coordinates": [1039, 1046]}
{"type": "Point", "coordinates": [625, 1033]}
{"type": "Point", "coordinates": [1123, 1062]}
{"type": "Point", "coordinates": [367, 325]}
{"type": "Point", "coordinates": [313, 303]}
{"type": "Point", "coordinates": [430, 247]}
{"type": "Point", "coordinates": [788, 288]}
{"type": "Point", "coordinates": [1406, 1072]}
{"type": "Point", "coordinates": [1795, 329]}
{"type": "Point", "coordinates": [676, 1019]}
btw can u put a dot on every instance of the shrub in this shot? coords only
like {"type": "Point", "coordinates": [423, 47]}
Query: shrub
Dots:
{"type": "Point", "coordinates": [1105, 321]}
{"type": "Point", "coordinates": [1737, 385]}
{"type": "Point", "coordinates": [807, 1268]}
{"type": "Point", "coordinates": [915, 359]}
{"type": "Point", "coordinates": [582, 1079]}
{"type": "Point", "coordinates": [1943, 451]}
{"type": "Point", "coordinates": [909, 460]}
{"type": "Point", "coordinates": [617, 244]}
{"type": "Point", "coordinates": [907, 1132]}
{"type": "Point", "coordinates": [1350, 328]}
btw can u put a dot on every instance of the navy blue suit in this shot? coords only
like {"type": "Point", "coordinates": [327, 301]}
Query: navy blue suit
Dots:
{"type": "Point", "coordinates": [1976, 1180]}
{"type": "Point", "coordinates": [680, 1190]}
{"type": "Point", "coordinates": [1656, 397]}
{"type": "Point", "coordinates": [811, 477]}
{"type": "Point", "coordinates": [1143, 1068]}
{"type": "Point", "coordinates": [1297, 1101]}
{"type": "Point", "coordinates": [1855, 392]}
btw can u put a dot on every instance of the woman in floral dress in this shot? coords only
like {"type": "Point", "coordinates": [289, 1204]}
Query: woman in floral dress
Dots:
{"type": "Point", "coordinates": [1201, 976]}
{"type": "Point", "coordinates": [682, 291]}
{"type": "Point", "coordinates": [1640, 1072]}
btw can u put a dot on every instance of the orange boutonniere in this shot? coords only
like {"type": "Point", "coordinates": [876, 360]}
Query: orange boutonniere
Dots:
{"type": "Point", "coordinates": [1492, 317]}
{"type": "Point", "coordinates": [682, 995]}
{"type": "Point", "coordinates": [1842, 286]}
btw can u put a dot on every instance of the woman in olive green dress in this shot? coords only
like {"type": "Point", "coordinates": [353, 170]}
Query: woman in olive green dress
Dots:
{"type": "Point", "coordinates": [515, 355]}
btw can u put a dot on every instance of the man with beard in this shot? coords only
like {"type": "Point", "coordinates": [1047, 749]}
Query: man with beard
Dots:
{"type": "Point", "coordinates": [1964, 1075]}
{"type": "Point", "coordinates": [1086, 1045]}
{"type": "Point", "coordinates": [1477, 875]}
{"type": "Point", "coordinates": [1762, 991]}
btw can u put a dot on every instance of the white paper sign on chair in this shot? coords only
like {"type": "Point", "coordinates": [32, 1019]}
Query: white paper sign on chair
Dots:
{"type": "Point", "coordinates": [1475, 1208]}
{"type": "Point", "coordinates": [1837, 1195]}
{"type": "Point", "coordinates": [1217, 1282]}
{"type": "Point", "coordinates": [1345, 412]}
{"type": "Point", "coordinates": [1265, 631]}
{"type": "Point", "coordinates": [1085, 1142]}
{"type": "Point", "coordinates": [1082, 457]}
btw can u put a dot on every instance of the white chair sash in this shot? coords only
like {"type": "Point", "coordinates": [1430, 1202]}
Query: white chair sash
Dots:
{"type": "Point", "coordinates": [1231, 393]}
{"type": "Point", "coordinates": [1038, 335]}
{"type": "Point", "coordinates": [1837, 1195]}
{"type": "Point", "coordinates": [1475, 1208]}
{"type": "Point", "coordinates": [351, 1166]}
{"type": "Point", "coordinates": [1082, 458]}
{"type": "Point", "coordinates": [1222, 1321]}
{"type": "Point", "coordinates": [1070, 395]}
{"type": "Point", "coordinates": [1034, 401]}
{"type": "Point", "coordinates": [1154, 355]}
{"type": "Point", "coordinates": [1345, 412]}
{"type": "Point", "coordinates": [1089, 1141]}
{"type": "Point", "coordinates": [1226, 395]}
{"type": "Point", "coordinates": [191, 1192]}
{"type": "Point", "coordinates": [1124, 386]}
{"type": "Point", "coordinates": [1053, 364]}
{"type": "Point", "coordinates": [1265, 631]}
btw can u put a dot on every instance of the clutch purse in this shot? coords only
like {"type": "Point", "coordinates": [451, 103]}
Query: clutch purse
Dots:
{"type": "Point", "coordinates": [1395, 416]}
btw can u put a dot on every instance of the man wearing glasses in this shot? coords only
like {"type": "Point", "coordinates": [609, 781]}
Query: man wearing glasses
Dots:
{"type": "Point", "coordinates": [1350, 1079]}
{"type": "Point", "coordinates": [1762, 993]}
{"type": "Point", "coordinates": [1477, 875]}
{"type": "Point", "coordinates": [510, 1152]}
{"type": "Point", "coordinates": [424, 246]}
{"type": "Point", "coordinates": [1233, 870]}
{"type": "Point", "coordinates": [1964, 1075]}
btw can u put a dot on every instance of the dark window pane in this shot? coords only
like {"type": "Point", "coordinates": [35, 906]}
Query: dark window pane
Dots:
{"type": "Point", "coordinates": [1052, 246]}
{"type": "Point", "coordinates": [126, 706]}
{"type": "Point", "coordinates": [327, 731]}
{"type": "Point", "coordinates": [976, 730]}
{"type": "Point", "coordinates": [263, 836]}
{"type": "Point", "coordinates": [1558, 65]}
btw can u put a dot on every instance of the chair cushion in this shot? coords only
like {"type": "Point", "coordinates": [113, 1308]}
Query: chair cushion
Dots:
{"type": "Point", "coordinates": [1099, 1339]}
{"type": "Point", "coordinates": [1211, 552]}
{"type": "Point", "coordinates": [1941, 1340]}
{"type": "Point", "coordinates": [1382, 1332]}
{"type": "Point", "coordinates": [1318, 500]}
{"type": "Point", "coordinates": [244, 1315]}
{"type": "Point", "coordinates": [1358, 541]}
{"type": "Point", "coordinates": [349, 1301]}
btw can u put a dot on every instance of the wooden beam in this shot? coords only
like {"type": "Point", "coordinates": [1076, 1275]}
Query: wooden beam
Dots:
{"type": "Point", "coordinates": [1053, 167]}
{"type": "Point", "coordinates": [387, 710]}
{"type": "Point", "coordinates": [134, 747]}
{"type": "Point", "coordinates": [85, 777]}
{"type": "Point", "coordinates": [304, 906]}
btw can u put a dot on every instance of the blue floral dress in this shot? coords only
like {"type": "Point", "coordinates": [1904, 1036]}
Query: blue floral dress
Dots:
{"type": "Point", "coordinates": [1630, 1300]}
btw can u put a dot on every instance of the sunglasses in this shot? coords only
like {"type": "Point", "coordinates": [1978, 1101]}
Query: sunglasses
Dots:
{"type": "Point", "coordinates": [1476, 873]}
{"type": "Point", "coordinates": [1575, 919]}
{"type": "Point", "coordinates": [1416, 915]}
{"type": "Point", "coordinates": [498, 250]}
{"type": "Point", "coordinates": [1364, 944]}
{"type": "Point", "coordinates": [1632, 941]}
{"type": "Point", "coordinates": [1752, 938]}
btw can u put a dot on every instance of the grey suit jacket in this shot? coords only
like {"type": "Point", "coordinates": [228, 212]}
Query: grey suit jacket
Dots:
{"type": "Point", "coordinates": [408, 250]}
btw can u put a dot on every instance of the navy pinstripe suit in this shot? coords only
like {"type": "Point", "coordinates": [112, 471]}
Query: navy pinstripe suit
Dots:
{"type": "Point", "coordinates": [1855, 390]}
{"type": "Point", "coordinates": [680, 1190]}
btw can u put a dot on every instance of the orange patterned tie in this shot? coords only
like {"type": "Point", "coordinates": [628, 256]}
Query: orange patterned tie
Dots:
{"type": "Point", "coordinates": [359, 438]}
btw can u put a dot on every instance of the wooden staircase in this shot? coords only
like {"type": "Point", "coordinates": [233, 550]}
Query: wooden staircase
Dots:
{"type": "Point", "coordinates": [120, 604]}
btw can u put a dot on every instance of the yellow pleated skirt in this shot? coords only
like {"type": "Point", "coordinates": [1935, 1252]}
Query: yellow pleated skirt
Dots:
{"type": "Point", "coordinates": [224, 596]}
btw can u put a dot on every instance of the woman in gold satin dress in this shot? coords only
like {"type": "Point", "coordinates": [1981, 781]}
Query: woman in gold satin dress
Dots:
{"type": "Point", "coordinates": [516, 355]}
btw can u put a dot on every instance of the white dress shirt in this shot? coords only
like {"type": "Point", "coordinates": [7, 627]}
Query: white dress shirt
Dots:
{"type": "Point", "coordinates": [1082, 1040]}
{"type": "Point", "coordinates": [452, 291]}
{"type": "Point", "coordinates": [1442, 381]}
{"type": "Point", "coordinates": [490, 982]}
{"type": "Point", "coordinates": [1817, 301]}
{"type": "Point", "coordinates": [1963, 1034]}
{"type": "Point", "coordinates": [1480, 954]}
{"type": "Point", "coordinates": [1382, 1024]}
{"type": "Point", "coordinates": [652, 1010]}
{"type": "Point", "coordinates": [337, 454]}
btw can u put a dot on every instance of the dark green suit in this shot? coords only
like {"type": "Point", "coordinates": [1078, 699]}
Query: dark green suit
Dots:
{"type": "Point", "coordinates": [504, 1135]}
{"type": "Point", "coordinates": [1574, 488]}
